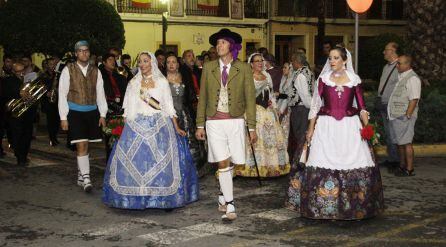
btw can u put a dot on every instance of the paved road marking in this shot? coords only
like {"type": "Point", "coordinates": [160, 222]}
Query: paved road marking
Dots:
{"type": "Point", "coordinates": [116, 229]}
{"type": "Point", "coordinates": [281, 214]}
{"type": "Point", "coordinates": [174, 236]}
{"type": "Point", "coordinates": [395, 231]}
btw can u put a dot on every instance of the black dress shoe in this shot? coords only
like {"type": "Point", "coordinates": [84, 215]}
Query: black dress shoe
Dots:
{"type": "Point", "coordinates": [384, 163]}
{"type": "Point", "coordinates": [403, 172]}
{"type": "Point", "coordinates": [22, 163]}
{"type": "Point", "coordinates": [53, 143]}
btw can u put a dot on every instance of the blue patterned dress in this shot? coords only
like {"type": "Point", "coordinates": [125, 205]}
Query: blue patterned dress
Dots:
{"type": "Point", "coordinates": [150, 165]}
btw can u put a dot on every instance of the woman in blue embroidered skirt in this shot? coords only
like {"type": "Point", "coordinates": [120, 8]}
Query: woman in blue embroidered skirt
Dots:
{"type": "Point", "coordinates": [150, 166]}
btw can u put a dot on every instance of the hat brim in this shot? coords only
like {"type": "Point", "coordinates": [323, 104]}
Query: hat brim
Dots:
{"type": "Point", "coordinates": [225, 33]}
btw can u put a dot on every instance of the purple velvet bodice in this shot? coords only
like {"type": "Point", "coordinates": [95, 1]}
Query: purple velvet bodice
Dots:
{"type": "Point", "coordinates": [340, 104]}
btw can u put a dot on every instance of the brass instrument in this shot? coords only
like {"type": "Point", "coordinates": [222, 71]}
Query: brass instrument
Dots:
{"type": "Point", "coordinates": [122, 71]}
{"type": "Point", "coordinates": [36, 90]}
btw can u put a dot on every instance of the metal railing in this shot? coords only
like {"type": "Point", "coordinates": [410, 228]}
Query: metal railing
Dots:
{"type": "Point", "coordinates": [393, 10]}
{"type": "Point", "coordinates": [128, 6]}
{"type": "Point", "coordinates": [256, 9]}
{"type": "Point", "coordinates": [219, 8]}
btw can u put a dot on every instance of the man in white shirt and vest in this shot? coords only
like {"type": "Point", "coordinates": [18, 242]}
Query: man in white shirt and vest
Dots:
{"type": "Point", "coordinates": [300, 102]}
{"type": "Point", "coordinates": [387, 82]}
{"type": "Point", "coordinates": [82, 107]}
{"type": "Point", "coordinates": [403, 112]}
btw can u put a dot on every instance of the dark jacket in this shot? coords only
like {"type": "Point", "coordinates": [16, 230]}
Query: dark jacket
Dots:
{"type": "Point", "coordinates": [109, 93]}
{"type": "Point", "coordinates": [276, 76]}
{"type": "Point", "coordinates": [191, 95]}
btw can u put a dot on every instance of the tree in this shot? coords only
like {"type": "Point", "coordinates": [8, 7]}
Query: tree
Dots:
{"type": "Point", "coordinates": [321, 13]}
{"type": "Point", "coordinates": [52, 27]}
{"type": "Point", "coordinates": [426, 22]}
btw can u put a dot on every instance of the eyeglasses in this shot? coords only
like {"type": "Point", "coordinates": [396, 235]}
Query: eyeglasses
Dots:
{"type": "Point", "coordinates": [84, 50]}
{"type": "Point", "coordinates": [257, 61]}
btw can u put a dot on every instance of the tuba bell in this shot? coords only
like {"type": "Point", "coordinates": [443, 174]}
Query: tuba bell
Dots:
{"type": "Point", "coordinates": [36, 90]}
{"type": "Point", "coordinates": [122, 71]}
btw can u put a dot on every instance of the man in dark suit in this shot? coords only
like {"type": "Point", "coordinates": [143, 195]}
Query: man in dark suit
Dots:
{"type": "Point", "coordinates": [191, 77]}
{"type": "Point", "coordinates": [21, 127]}
{"type": "Point", "coordinates": [114, 88]}
{"type": "Point", "coordinates": [273, 71]}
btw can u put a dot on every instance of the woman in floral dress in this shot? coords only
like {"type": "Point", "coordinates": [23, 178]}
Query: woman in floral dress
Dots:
{"type": "Point", "coordinates": [270, 149]}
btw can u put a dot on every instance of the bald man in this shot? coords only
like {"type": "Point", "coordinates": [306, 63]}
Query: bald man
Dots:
{"type": "Point", "coordinates": [403, 112]}
{"type": "Point", "coordinates": [387, 82]}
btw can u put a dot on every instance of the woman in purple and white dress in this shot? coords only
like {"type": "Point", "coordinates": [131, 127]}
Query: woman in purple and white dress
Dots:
{"type": "Point", "coordinates": [340, 179]}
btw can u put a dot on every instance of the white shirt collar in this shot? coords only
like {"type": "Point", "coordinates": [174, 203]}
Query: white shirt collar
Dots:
{"type": "Point", "coordinates": [228, 66]}
{"type": "Point", "coordinates": [393, 62]}
{"type": "Point", "coordinates": [401, 75]}
{"type": "Point", "coordinates": [82, 67]}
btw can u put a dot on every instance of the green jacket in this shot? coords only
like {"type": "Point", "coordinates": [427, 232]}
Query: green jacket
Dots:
{"type": "Point", "coordinates": [241, 92]}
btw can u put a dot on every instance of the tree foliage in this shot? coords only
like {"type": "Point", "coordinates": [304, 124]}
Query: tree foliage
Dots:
{"type": "Point", "coordinates": [52, 27]}
{"type": "Point", "coordinates": [426, 22]}
{"type": "Point", "coordinates": [371, 58]}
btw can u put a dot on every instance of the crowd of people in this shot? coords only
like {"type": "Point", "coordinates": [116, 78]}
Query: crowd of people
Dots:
{"type": "Point", "coordinates": [250, 119]}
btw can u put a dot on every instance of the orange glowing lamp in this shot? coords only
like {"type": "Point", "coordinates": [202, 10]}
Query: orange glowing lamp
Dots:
{"type": "Point", "coordinates": [359, 6]}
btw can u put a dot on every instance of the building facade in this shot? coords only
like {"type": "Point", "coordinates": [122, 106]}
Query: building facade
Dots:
{"type": "Point", "coordinates": [293, 24]}
{"type": "Point", "coordinates": [190, 23]}
{"type": "Point", "coordinates": [280, 25]}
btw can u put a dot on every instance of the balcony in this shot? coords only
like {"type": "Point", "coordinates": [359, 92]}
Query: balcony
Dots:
{"type": "Point", "coordinates": [217, 8]}
{"type": "Point", "coordinates": [129, 6]}
{"type": "Point", "coordinates": [256, 9]}
{"type": "Point", "coordinates": [380, 9]}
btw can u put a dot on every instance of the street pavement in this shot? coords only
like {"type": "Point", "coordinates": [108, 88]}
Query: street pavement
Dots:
{"type": "Point", "coordinates": [42, 206]}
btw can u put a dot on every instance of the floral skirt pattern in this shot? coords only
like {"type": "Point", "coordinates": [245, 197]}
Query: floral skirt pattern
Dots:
{"type": "Point", "coordinates": [270, 149]}
{"type": "Point", "coordinates": [150, 166]}
{"type": "Point", "coordinates": [320, 193]}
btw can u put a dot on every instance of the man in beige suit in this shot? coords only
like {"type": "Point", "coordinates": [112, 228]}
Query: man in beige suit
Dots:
{"type": "Point", "coordinates": [227, 96]}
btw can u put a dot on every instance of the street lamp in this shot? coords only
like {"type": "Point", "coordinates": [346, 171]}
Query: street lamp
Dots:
{"type": "Point", "coordinates": [164, 24]}
{"type": "Point", "coordinates": [359, 7]}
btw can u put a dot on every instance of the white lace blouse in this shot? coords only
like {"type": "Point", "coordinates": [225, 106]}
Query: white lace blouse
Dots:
{"type": "Point", "coordinates": [316, 100]}
{"type": "Point", "coordinates": [134, 105]}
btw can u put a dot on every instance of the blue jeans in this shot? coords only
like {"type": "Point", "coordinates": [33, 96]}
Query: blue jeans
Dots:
{"type": "Point", "coordinates": [392, 149]}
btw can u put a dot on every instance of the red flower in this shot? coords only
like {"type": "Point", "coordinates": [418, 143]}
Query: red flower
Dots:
{"type": "Point", "coordinates": [367, 132]}
{"type": "Point", "coordinates": [117, 131]}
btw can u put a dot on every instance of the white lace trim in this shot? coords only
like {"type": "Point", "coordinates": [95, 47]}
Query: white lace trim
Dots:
{"type": "Point", "coordinates": [354, 79]}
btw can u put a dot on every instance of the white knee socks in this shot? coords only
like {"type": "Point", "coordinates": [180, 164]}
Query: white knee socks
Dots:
{"type": "Point", "coordinates": [83, 163]}
{"type": "Point", "coordinates": [225, 180]}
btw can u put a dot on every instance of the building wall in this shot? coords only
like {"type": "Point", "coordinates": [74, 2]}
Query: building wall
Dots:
{"type": "Point", "coordinates": [142, 36]}
{"type": "Point", "coordinates": [345, 29]}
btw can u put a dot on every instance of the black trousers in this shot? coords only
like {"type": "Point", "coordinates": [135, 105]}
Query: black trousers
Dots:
{"type": "Point", "coordinates": [52, 119]}
{"type": "Point", "coordinates": [298, 128]}
{"type": "Point", "coordinates": [21, 134]}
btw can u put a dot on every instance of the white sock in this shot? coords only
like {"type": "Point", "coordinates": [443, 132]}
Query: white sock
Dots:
{"type": "Point", "coordinates": [83, 163]}
{"type": "Point", "coordinates": [221, 199]}
{"type": "Point", "coordinates": [225, 179]}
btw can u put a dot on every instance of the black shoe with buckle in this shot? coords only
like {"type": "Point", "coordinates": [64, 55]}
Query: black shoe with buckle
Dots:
{"type": "Point", "coordinates": [403, 172]}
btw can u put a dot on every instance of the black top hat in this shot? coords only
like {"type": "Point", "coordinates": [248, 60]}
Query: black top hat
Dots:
{"type": "Point", "coordinates": [225, 33]}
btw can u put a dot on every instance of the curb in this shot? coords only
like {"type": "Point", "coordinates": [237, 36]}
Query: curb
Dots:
{"type": "Point", "coordinates": [420, 150]}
